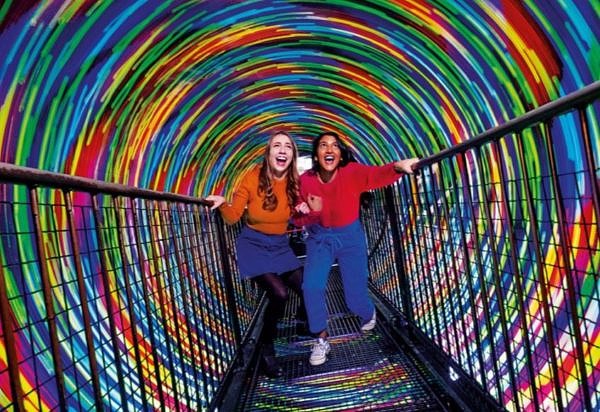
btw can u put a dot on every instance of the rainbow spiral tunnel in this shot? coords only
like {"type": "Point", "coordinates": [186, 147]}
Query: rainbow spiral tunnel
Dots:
{"type": "Point", "coordinates": [180, 96]}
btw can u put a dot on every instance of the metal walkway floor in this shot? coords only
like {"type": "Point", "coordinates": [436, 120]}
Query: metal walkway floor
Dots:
{"type": "Point", "coordinates": [364, 371]}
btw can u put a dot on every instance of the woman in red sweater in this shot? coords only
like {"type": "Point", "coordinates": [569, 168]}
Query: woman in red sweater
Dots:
{"type": "Point", "coordinates": [337, 232]}
{"type": "Point", "coordinates": [268, 193]}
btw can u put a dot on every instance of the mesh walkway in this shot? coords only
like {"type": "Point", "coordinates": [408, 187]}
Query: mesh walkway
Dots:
{"type": "Point", "coordinates": [364, 371]}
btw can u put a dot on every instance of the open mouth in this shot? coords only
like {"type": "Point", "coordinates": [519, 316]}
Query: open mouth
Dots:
{"type": "Point", "coordinates": [281, 160]}
{"type": "Point", "coordinates": [329, 159]}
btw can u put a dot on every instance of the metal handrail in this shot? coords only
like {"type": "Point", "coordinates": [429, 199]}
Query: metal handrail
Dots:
{"type": "Point", "coordinates": [447, 267]}
{"type": "Point", "coordinates": [36, 177]}
{"type": "Point", "coordinates": [545, 112]}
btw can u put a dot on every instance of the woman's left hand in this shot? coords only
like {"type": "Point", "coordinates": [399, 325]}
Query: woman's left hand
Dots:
{"type": "Point", "coordinates": [315, 202]}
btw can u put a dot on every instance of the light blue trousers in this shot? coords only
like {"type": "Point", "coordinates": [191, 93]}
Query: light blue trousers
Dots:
{"type": "Point", "coordinates": [324, 246]}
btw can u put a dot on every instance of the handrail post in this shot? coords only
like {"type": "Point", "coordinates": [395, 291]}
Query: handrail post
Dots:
{"type": "Point", "coordinates": [545, 301]}
{"type": "Point", "coordinates": [399, 254]}
{"type": "Point", "coordinates": [10, 342]}
{"type": "Point", "coordinates": [48, 300]}
{"type": "Point", "coordinates": [145, 296]}
{"type": "Point", "coordinates": [121, 227]}
{"type": "Point", "coordinates": [566, 247]}
{"type": "Point", "coordinates": [85, 310]}
{"type": "Point", "coordinates": [227, 276]}
{"type": "Point", "coordinates": [110, 306]}
{"type": "Point", "coordinates": [591, 164]}
{"type": "Point", "coordinates": [155, 229]}
{"type": "Point", "coordinates": [486, 207]}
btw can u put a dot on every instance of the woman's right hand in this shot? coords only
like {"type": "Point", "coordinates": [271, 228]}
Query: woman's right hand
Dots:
{"type": "Point", "coordinates": [302, 208]}
{"type": "Point", "coordinates": [216, 200]}
{"type": "Point", "coordinates": [406, 165]}
{"type": "Point", "coordinates": [313, 204]}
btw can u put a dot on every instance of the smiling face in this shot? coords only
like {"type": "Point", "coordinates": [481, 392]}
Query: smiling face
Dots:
{"type": "Point", "coordinates": [328, 154]}
{"type": "Point", "coordinates": [281, 153]}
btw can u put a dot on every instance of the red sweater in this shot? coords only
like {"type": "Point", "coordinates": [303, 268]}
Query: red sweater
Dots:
{"type": "Point", "coordinates": [341, 194]}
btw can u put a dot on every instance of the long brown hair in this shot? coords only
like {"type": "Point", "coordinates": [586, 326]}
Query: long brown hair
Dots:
{"type": "Point", "coordinates": [265, 177]}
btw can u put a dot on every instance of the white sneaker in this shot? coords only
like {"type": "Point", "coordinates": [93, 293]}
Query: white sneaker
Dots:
{"type": "Point", "coordinates": [319, 352]}
{"type": "Point", "coordinates": [370, 324]}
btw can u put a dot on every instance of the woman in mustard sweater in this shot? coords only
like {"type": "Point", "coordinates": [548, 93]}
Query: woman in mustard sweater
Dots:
{"type": "Point", "coordinates": [268, 193]}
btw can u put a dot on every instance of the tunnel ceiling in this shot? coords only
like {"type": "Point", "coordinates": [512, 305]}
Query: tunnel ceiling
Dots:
{"type": "Point", "coordinates": [180, 95]}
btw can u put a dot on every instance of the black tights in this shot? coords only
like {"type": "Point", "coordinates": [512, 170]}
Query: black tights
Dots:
{"type": "Point", "coordinates": [277, 288]}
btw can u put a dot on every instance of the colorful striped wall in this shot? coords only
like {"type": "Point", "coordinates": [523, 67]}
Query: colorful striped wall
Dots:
{"type": "Point", "coordinates": [181, 96]}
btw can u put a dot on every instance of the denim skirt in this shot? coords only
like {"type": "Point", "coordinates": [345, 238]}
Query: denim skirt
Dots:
{"type": "Point", "coordinates": [259, 253]}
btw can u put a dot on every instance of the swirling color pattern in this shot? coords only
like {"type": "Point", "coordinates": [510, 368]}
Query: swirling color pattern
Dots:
{"type": "Point", "coordinates": [180, 96]}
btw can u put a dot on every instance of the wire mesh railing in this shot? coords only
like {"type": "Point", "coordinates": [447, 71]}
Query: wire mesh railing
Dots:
{"type": "Point", "coordinates": [114, 298]}
{"type": "Point", "coordinates": [119, 298]}
{"type": "Point", "coordinates": [492, 255]}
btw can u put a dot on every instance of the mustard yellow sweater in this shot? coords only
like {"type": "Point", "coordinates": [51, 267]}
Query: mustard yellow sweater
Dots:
{"type": "Point", "coordinates": [246, 195]}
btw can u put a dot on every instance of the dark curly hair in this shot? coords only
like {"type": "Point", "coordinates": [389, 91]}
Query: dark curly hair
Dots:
{"type": "Point", "coordinates": [346, 154]}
